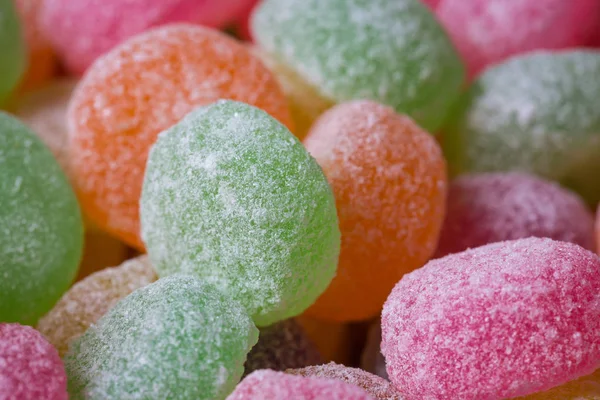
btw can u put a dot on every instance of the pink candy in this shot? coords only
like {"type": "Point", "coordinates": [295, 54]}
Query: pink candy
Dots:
{"type": "Point", "coordinates": [499, 321]}
{"type": "Point", "coordinates": [30, 368]}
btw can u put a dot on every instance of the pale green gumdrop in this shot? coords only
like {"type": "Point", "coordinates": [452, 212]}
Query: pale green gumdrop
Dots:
{"type": "Point", "coordinates": [232, 197]}
{"type": "Point", "coordinates": [537, 113]}
{"type": "Point", "coordinates": [41, 230]}
{"type": "Point", "coordinates": [13, 52]}
{"type": "Point", "coordinates": [178, 338]}
{"type": "Point", "coordinates": [393, 52]}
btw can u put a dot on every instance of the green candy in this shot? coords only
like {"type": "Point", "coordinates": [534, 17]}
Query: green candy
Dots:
{"type": "Point", "coordinates": [537, 113]}
{"type": "Point", "coordinates": [393, 52]}
{"type": "Point", "coordinates": [232, 197]}
{"type": "Point", "coordinates": [41, 230]}
{"type": "Point", "coordinates": [13, 54]}
{"type": "Point", "coordinates": [178, 338]}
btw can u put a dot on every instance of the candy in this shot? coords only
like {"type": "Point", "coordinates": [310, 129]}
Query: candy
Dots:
{"type": "Point", "coordinates": [394, 52]}
{"type": "Point", "coordinates": [90, 299]}
{"type": "Point", "coordinates": [585, 388]}
{"type": "Point", "coordinates": [232, 197]}
{"type": "Point", "coordinates": [489, 31]}
{"type": "Point", "coordinates": [389, 180]}
{"type": "Point", "coordinates": [488, 208]}
{"type": "Point", "coordinates": [30, 368]}
{"type": "Point", "coordinates": [377, 387]}
{"type": "Point", "coordinates": [141, 88]}
{"type": "Point", "coordinates": [502, 320]}
{"type": "Point", "coordinates": [270, 385]}
{"type": "Point", "coordinates": [13, 57]}
{"type": "Point", "coordinates": [533, 113]}
{"type": "Point", "coordinates": [42, 234]}
{"type": "Point", "coordinates": [178, 338]}
{"type": "Point", "coordinates": [281, 346]}
{"type": "Point", "coordinates": [372, 360]}
{"type": "Point", "coordinates": [334, 340]}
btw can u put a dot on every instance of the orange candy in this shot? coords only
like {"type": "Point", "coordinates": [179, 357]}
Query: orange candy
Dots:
{"type": "Point", "coordinates": [141, 87]}
{"type": "Point", "coordinates": [389, 179]}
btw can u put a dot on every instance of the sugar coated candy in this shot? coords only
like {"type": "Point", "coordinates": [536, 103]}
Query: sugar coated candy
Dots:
{"type": "Point", "coordinates": [584, 388]}
{"type": "Point", "coordinates": [13, 57]}
{"type": "Point", "coordinates": [389, 180]}
{"type": "Point", "coordinates": [493, 207]}
{"type": "Point", "coordinates": [376, 386]}
{"type": "Point", "coordinates": [90, 299]}
{"type": "Point", "coordinates": [41, 234]}
{"type": "Point", "coordinates": [178, 338]}
{"type": "Point", "coordinates": [140, 88]}
{"type": "Point", "coordinates": [503, 320]}
{"type": "Point", "coordinates": [394, 52]}
{"type": "Point", "coordinates": [30, 368]}
{"type": "Point", "coordinates": [371, 359]}
{"type": "Point", "coordinates": [232, 197]}
{"type": "Point", "coordinates": [534, 113]}
{"type": "Point", "coordinates": [266, 384]}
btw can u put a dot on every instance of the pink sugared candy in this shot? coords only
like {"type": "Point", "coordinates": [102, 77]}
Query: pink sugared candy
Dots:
{"type": "Point", "coordinates": [266, 384]}
{"type": "Point", "coordinates": [489, 31]}
{"type": "Point", "coordinates": [82, 30]}
{"type": "Point", "coordinates": [493, 207]}
{"type": "Point", "coordinates": [30, 368]}
{"type": "Point", "coordinates": [500, 321]}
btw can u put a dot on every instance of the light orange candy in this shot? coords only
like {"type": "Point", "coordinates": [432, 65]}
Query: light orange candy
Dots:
{"type": "Point", "coordinates": [389, 180]}
{"type": "Point", "coordinates": [143, 86]}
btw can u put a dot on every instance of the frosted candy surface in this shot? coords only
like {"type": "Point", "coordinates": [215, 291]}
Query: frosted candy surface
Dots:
{"type": "Point", "coordinates": [534, 113]}
{"type": "Point", "coordinates": [281, 346]}
{"type": "Point", "coordinates": [30, 368]}
{"type": "Point", "coordinates": [488, 208]}
{"type": "Point", "coordinates": [394, 52]}
{"type": "Point", "coordinates": [377, 387]}
{"type": "Point", "coordinates": [270, 385]}
{"type": "Point", "coordinates": [499, 321]}
{"type": "Point", "coordinates": [41, 232]}
{"type": "Point", "coordinates": [13, 56]}
{"type": "Point", "coordinates": [178, 338]}
{"type": "Point", "coordinates": [584, 388]}
{"type": "Point", "coordinates": [371, 359]}
{"type": "Point", "coordinates": [90, 299]}
{"type": "Point", "coordinates": [232, 197]}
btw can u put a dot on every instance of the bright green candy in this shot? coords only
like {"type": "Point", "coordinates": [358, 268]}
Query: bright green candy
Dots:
{"type": "Point", "coordinates": [393, 52]}
{"type": "Point", "coordinates": [537, 113]}
{"type": "Point", "coordinates": [41, 231]}
{"type": "Point", "coordinates": [178, 338]}
{"type": "Point", "coordinates": [13, 54]}
{"type": "Point", "coordinates": [231, 196]}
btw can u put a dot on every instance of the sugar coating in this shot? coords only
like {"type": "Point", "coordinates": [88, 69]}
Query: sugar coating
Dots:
{"type": "Point", "coordinates": [41, 231]}
{"type": "Point", "coordinates": [178, 338]}
{"type": "Point", "coordinates": [140, 88]}
{"type": "Point", "coordinates": [13, 57]}
{"type": "Point", "coordinates": [232, 197]}
{"type": "Point", "coordinates": [271, 385]}
{"type": "Point", "coordinates": [584, 388]}
{"type": "Point", "coordinates": [394, 52]}
{"type": "Point", "coordinates": [502, 320]}
{"type": "Point", "coordinates": [489, 31]}
{"type": "Point", "coordinates": [30, 368]}
{"type": "Point", "coordinates": [90, 299]}
{"type": "Point", "coordinates": [389, 179]}
{"type": "Point", "coordinates": [376, 386]}
{"type": "Point", "coordinates": [281, 346]}
{"type": "Point", "coordinates": [83, 30]}
{"type": "Point", "coordinates": [533, 113]}
{"type": "Point", "coordinates": [493, 207]}
{"type": "Point", "coordinates": [371, 359]}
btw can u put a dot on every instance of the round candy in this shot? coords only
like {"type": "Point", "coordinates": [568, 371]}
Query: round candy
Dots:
{"type": "Point", "coordinates": [371, 359]}
{"type": "Point", "coordinates": [13, 57]}
{"type": "Point", "coordinates": [488, 208]}
{"type": "Point", "coordinates": [232, 197]}
{"type": "Point", "coordinates": [389, 180]}
{"type": "Point", "coordinates": [90, 299]}
{"type": "Point", "coordinates": [489, 31]}
{"type": "Point", "coordinates": [394, 52]}
{"type": "Point", "coordinates": [83, 30]}
{"type": "Point", "coordinates": [534, 113]}
{"type": "Point", "coordinates": [270, 385]}
{"type": "Point", "coordinates": [500, 321]}
{"type": "Point", "coordinates": [377, 387]}
{"type": "Point", "coordinates": [178, 338]}
{"type": "Point", "coordinates": [141, 88]}
{"type": "Point", "coordinates": [281, 346]}
{"type": "Point", "coordinates": [30, 368]}
{"type": "Point", "coordinates": [42, 233]}
{"type": "Point", "coordinates": [585, 388]}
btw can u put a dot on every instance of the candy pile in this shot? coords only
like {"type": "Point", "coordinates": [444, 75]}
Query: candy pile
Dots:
{"type": "Point", "coordinates": [300, 199]}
